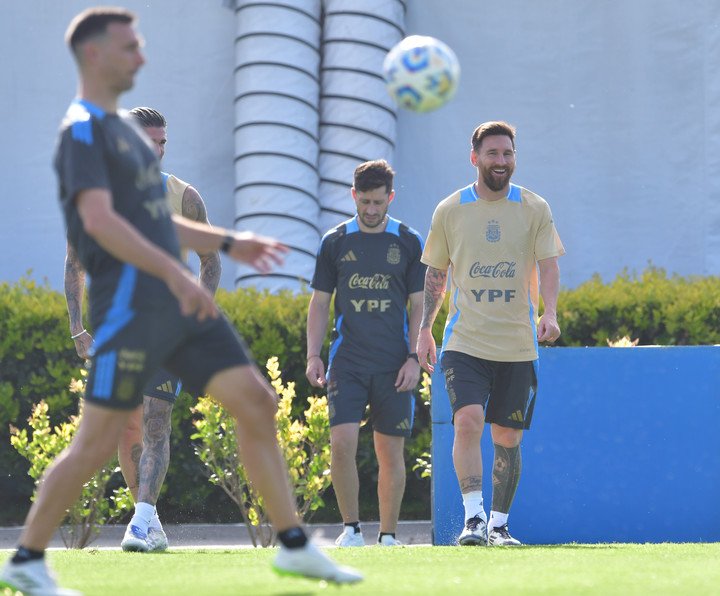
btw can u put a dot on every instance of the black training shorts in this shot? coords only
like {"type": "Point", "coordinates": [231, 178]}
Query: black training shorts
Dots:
{"type": "Point", "coordinates": [128, 352]}
{"type": "Point", "coordinates": [164, 385]}
{"type": "Point", "coordinates": [505, 390]}
{"type": "Point", "coordinates": [391, 413]}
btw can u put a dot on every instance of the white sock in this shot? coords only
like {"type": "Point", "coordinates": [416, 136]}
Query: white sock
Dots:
{"type": "Point", "coordinates": [473, 503]}
{"type": "Point", "coordinates": [155, 521]}
{"type": "Point", "coordinates": [143, 515]}
{"type": "Point", "coordinates": [497, 519]}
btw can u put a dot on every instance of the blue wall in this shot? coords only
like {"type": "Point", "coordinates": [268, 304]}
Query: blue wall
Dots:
{"type": "Point", "coordinates": [624, 447]}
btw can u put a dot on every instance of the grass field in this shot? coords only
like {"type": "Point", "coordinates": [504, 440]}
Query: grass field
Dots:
{"type": "Point", "coordinates": [654, 569]}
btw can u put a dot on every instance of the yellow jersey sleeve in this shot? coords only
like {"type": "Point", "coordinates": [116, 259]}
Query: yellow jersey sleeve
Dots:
{"type": "Point", "coordinates": [547, 240]}
{"type": "Point", "coordinates": [175, 191]}
{"type": "Point", "coordinates": [436, 253]}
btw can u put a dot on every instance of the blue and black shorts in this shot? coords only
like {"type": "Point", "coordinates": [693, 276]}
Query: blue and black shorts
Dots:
{"type": "Point", "coordinates": [129, 352]}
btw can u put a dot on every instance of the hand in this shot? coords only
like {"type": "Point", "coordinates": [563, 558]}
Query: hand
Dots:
{"type": "Point", "coordinates": [193, 297]}
{"type": "Point", "coordinates": [548, 329]}
{"type": "Point", "coordinates": [408, 376]}
{"type": "Point", "coordinates": [83, 343]}
{"type": "Point", "coordinates": [260, 252]}
{"type": "Point", "coordinates": [426, 349]}
{"type": "Point", "coordinates": [315, 371]}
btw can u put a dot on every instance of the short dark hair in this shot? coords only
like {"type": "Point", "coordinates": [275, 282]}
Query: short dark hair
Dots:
{"type": "Point", "coordinates": [93, 22]}
{"type": "Point", "coordinates": [488, 129]}
{"type": "Point", "coordinates": [147, 117]}
{"type": "Point", "coordinates": [373, 174]}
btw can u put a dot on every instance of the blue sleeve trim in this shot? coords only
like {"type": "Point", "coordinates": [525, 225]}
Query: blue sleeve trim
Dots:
{"type": "Point", "coordinates": [417, 235]}
{"type": "Point", "coordinates": [91, 108]}
{"type": "Point", "coordinates": [531, 313]}
{"type": "Point", "coordinates": [468, 194]}
{"type": "Point", "coordinates": [406, 331]}
{"type": "Point", "coordinates": [352, 226]}
{"type": "Point", "coordinates": [82, 131]}
{"type": "Point", "coordinates": [336, 344]}
{"type": "Point", "coordinates": [514, 194]}
{"type": "Point", "coordinates": [451, 323]}
{"type": "Point", "coordinates": [393, 226]}
{"type": "Point", "coordinates": [79, 113]}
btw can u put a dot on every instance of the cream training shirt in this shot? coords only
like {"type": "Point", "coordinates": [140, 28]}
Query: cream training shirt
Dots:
{"type": "Point", "coordinates": [492, 249]}
{"type": "Point", "coordinates": [174, 190]}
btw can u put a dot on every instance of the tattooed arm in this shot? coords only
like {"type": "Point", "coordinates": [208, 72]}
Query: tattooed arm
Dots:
{"type": "Point", "coordinates": [435, 284]}
{"type": "Point", "coordinates": [193, 208]}
{"type": "Point", "coordinates": [74, 287]}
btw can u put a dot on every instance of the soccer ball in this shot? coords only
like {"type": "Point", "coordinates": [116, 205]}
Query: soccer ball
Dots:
{"type": "Point", "coordinates": [421, 73]}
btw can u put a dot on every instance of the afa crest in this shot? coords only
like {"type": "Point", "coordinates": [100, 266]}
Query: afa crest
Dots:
{"type": "Point", "coordinates": [126, 388]}
{"type": "Point", "coordinates": [492, 232]}
{"type": "Point", "coordinates": [393, 254]}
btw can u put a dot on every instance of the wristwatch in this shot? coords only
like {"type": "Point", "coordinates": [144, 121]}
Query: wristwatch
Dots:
{"type": "Point", "coordinates": [414, 356]}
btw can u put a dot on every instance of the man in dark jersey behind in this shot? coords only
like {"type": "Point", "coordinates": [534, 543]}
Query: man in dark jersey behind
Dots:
{"type": "Point", "coordinates": [372, 263]}
{"type": "Point", "coordinates": [147, 308]}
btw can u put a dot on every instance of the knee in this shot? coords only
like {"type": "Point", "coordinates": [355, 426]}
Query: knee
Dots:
{"type": "Point", "coordinates": [264, 399]}
{"type": "Point", "coordinates": [342, 449]}
{"type": "Point", "coordinates": [506, 437]}
{"type": "Point", "coordinates": [468, 424]}
{"type": "Point", "coordinates": [392, 464]}
{"type": "Point", "coordinates": [258, 406]}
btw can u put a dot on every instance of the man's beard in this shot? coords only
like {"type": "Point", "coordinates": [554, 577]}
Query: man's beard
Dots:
{"type": "Point", "coordinates": [492, 181]}
{"type": "Point", "coordinates": [377, 222]}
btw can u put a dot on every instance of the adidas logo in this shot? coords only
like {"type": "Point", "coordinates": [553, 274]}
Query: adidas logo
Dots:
{"type": "Point", "coordinates": [166, 387]}
{"type": "Point", "coordinates": [517, 416]}
{"type": "Point", "coordinates": [349, 257]}
{"type": "Point", "coordinates": [404, 425]}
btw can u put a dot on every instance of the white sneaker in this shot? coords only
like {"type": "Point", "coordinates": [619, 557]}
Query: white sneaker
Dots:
{"type": "Point", "coordinates": [350, 537]}
{"type": "Point", "coordinates": [501, 537]}
{"type": "Point", "coordinates": [157, 540]}
{"type": "Point", "coordinates": [388, 540]}
{"type": "Point", "coordinates": [32, 578]}
{"type": "Point", "coordinates": [310, 561]}
{"type": "Point", "coordinates": [474, 533]}
{"type": "Point", "coordinates": [135, 540]}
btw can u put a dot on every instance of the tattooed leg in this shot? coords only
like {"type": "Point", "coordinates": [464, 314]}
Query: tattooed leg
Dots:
{"type": "Point", "coordinates": [156, 448]}
{"type": "Point", "coordinates": [506, 476]}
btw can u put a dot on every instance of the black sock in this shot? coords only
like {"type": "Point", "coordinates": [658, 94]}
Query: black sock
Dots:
{"type": "Point", "coordinates": [381, 534]}
{"type": "Point", "coordinates": [23, 555]}
{"type": "Point", "coordinates": [293, 538]}
{"type": "Point", "coordinates": [354, 525]}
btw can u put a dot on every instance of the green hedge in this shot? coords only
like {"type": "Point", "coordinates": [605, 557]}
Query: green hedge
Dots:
{"type": "Point", "coordinates": [653, 307]}
{"type": "Point", "coordinates": [37, 361]}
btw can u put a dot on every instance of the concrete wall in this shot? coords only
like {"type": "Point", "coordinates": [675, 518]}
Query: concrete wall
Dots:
{"type": "Point", "coordinates": [617, 106]}
{"type": "Point", "coordinates": [188, 76]}
{"type": "Point", "coordinates": [622, 448]}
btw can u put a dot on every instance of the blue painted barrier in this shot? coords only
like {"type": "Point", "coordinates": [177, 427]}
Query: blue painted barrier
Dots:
{"type": "Point", "coordinates": [624, 447]}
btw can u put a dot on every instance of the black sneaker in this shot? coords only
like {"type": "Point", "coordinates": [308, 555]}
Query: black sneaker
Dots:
{"type": "Point", "coordinates": [500, 536]}
{"type": "Point", "coordinates": [474, 533]}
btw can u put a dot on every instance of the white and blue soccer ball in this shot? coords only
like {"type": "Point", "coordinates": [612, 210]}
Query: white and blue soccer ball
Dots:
{"type": "Point", "coordinates": [421, 73]}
